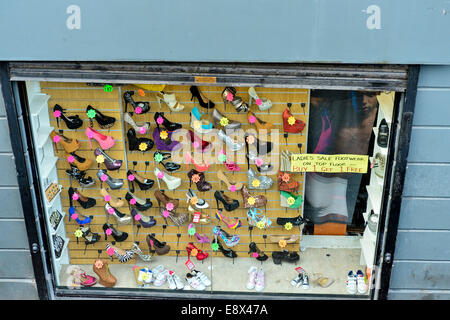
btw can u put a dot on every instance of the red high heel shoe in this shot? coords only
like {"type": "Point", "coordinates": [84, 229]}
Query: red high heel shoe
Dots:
{"type": "Point", "coordinates": [199, 144]}
{"type": "Point", "coordinates": [199, 167]}
{"type": "Point", "coordinates": [290, 124]}
{"type": "Point", "coordinates": [194, 251]}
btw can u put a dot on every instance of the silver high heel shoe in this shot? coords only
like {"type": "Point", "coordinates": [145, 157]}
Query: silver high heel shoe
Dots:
{"type": "Point", "coordinates": [229, 96]}
{"type": "Point", "coordinates": [112, 183]}
{"type": "Point", "coordinates": [218, 122]}
{"type": "Point", "coordinates": [231, 144]}
{"type": "Point", "coordinates": [121, 218]}
{"type": "Point", "coordinates": [136, 250]}
{"type": "Point", "coordinates": [265, 167]}
{"type": "Point", "coordinates": [200, 204]}
{"type": "Point", "coordinates": [285, 163]}
{"type": "Point", "coordinates": [261, 182]}
{"type": "Point", "coordinates": [138, 126]}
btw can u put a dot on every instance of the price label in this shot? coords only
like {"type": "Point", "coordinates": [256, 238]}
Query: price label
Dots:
{"type": "Point", "coordinates": [196, 217]}
{"type": "Point", "coordinates": [190, 265]}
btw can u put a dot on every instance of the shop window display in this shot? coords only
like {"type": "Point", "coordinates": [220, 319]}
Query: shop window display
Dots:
{"type": "Point", "coordinates": [185, 187]}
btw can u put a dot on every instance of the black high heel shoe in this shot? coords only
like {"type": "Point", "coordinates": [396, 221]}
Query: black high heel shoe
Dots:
{"type": "Point", "coordinates": [118, 236]}
{"type": "Point", "coordinates": [144, 106]}
{"type": "Point", "coordinates": [140, 204]}
{"type": "Point", "coordinates": [90, 238]}
{"type": "Point", "coordinates": [197, 94]}
{"type": "Point", "coordinates": [105, 122]}
{"type": "Point", "coordinates": [72, 122]}
{"type": "Point", "coordinates": [258, 254]}
{"type": "Point", "coordinates": [226, 252]}
{"type": "Point", "coordinates": [169, 166]}
{"type": "Point", "coordinates": [80, 177]}
{"type": "Point", "coordinates": [228, 203]}
{"type": "Point", "coordinates": [143, 183]}
{"type": "Point", "coordinates": [85, 202]}
{"type": "Point", "coordinates": [170, 126]}
{"type": "Point", "coordinates": [138, 144]}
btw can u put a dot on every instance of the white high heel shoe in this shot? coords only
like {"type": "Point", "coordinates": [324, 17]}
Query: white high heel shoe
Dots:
{"type": "Point", "coordinates": [231, 144]}
{"type": "Point", "coordinates": [263, 104]}
{"type": "Point", "coordinates": [136, 125]}
{"type": "Point", "coordinates": [170, 100]}
{"type": "Point", "coordinates": [171, 181]}
{"type": "Point", "coordinates": [200, 204]}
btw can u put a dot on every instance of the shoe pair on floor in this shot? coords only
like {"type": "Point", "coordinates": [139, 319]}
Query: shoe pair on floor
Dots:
{"type": "Point", "coordinates": [256, 279]}
{"type": "Point", "coordinates": [301, 279]}
{"type": "Point", "coordinates": [356, 283]}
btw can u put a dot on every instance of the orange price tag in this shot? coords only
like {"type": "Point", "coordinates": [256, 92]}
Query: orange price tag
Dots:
{"type": "Point", "coordinates": [141, 92]}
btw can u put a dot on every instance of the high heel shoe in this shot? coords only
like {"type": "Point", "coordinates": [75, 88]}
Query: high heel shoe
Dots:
{"type": "Point", "coordinates": [141, 127]}
{"type": "Point", "coordinates": [79, 218]}
{"type": "Point", "coordinates": [122, 255]}
{"type": "Point", "coordinates": [290, 200]}
{"type": "Point", "coordinates": [231, 223]}
{"type": "Point", "coordinates": [113, 201]}
{"type": "Point", "coordinates": [101, 268]}
{"type": "Point", "coordinates": [110, 163]}
{"type": "Point", "coordinates": [170, 100]}
{"type": "Point", "coordinates": [120, 217]}
{"type": "Point", "coordinates": [85, 202]}
{"type": "Point", "coordinates": [171, 181]}
{"type": "Point", "coordinates": [256, 252]}
{"type": "Point", "coordinates": [111, 182]}
{"type": "Point", "coordinates": [257, 219]}
{"type": "Point", "coordinates": [166, 201]}
{"type": "Point", "coordinates": [143, 183]}
{"type": "Point", "coordinates": [119, 236]}
{"type": "Point", "coordinates": [145, 221]}
{"type": "Point", "coordinates": [262, 147]}
{"type": "Point", "coordinates": [178, 219]}
{"type": "Point", "coordinates": [251, 201]}
{"type": "Point", "coordinates": [105, 122]}
{"type": "Point", "coordinates": [199, 179]}
{"type": "Point", "coordinates": [208, 104]}
{"type": "Point", "coordinates": [295, 221]}
{"type": "Point", "coordinates": [231, 185]}
{"type": "Point", "coordinates": [194, 251]}
{"type": "Point", "coordinates": [286, 182]}
{"type": "Point", "coordinates": [285, 164]}
{"type": "Point", "coordinates": [81, 163]}
{"type": "Point", "coordinates": [201, 239]}
{"type": "Point", "coordinates": [230, 143]}
{"type": "Point", "coordinates": [137, 251]}
{"type": "Point", "coordinates": [226, 252]}
{"type": "Point", "coordinates": [163, 140]}
{"type": "Point", "coordinates": [261, 182]}
{"type": "Point", "coordinates": [138, 144]}
{"type": "Point", "coordinates": [199, 167]}
{"type": "Point", "coordinates": [222, 122]}
{"type": "Point", "coordinates": [139, 106]}
{"type": "Point", "coordinates": [229, 240]}
{"type": "Point", "coordinates": [230, 165]}
{"type": "Point", "coordinates": [229, 96]}
{"type": "Point", "coordinates": [290, 124]}
{"type": "Point", "coordinates": [89, 236]}
{"type": "Point", "coordinates": [72, 122]}
{"type": "Point", "coordinates": [260, 125]}
{"type": "Point", "coordinates": [228, 203]}
{"type": "Point", "coordinates": [263, 104]}
{"type": "Point", "coordinates": [69, 145]}
{"type": "Point", "coordinates": [197, 143]}
{"type": "Point", "coordinates": [160, 119]}
{"type": "Point", "coordinates": [159, 157]}
{"type": "Point", "coordinates": [161, 248]}
{"type": "Point", "coordinates": [80, 177]}
{"type": "Point", "coordinates": [140, 204]}
{"type": "Point", "coordinates": [195, 201]}
{"type": "Point", "coordinates": [200, 125]}
{"type": "Point", "coordinates": [105, 142]}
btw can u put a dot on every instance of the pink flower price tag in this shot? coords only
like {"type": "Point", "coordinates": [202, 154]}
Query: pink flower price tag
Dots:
{"type": "Point", "coordinates": [258, 102]}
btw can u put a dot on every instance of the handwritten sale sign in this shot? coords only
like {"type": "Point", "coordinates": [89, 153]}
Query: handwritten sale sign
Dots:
{"type": "Point", "coordinates": [329, 163]}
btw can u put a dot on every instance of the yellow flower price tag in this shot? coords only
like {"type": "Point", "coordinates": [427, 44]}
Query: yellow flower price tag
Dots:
{"type": "Point", "coordinates": [290, 201]}
{"type": "Point", "coordinates": [291, 120]}
{"type": "Point", "coordinates": [251, 201]}
{"type": "Point", "coordinates": [260, 225]}
{"type": "Point", "coordinates": [163, 135]}
{"type": "Point", "coordinates": [143, 146]}
{"type": "Point", "coordinates": [288, 226]}
{"type": "Point", "coordinates": [100, 158]}
{"type": "Point", "coordinates": [78, 233]}
{"type": "Point", "coordinates": [197, 124]}
{"type": "Point", "coordinates": [224, 121]}
{"type": "Point", "coordinates": [256, 183]}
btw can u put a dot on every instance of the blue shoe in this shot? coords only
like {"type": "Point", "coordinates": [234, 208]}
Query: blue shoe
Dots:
{"type": "Point", "coordinates": [199, 125]}
{"type": "Point", "coordinates": [86, 220]}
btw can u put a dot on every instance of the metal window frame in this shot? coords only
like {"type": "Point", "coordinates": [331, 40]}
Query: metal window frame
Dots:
{"type": "Point", "coordinates": [314, 76]}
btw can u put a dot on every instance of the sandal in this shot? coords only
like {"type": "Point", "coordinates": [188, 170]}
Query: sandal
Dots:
{"type": "Point", "coordinates": [231, 223]}
{"type": "Point", "coordinates": [170, 100]}
{"type": "Point", "coordinates": [229, 96]}
{"type": "Point", "coordinates": [263, 104]}
{"type": "Point", "coordinates": [321, 281]}
{"type": "Point", "coordinates": [229, 240]}
{"type": "Point", "coordinates": [257, 219]}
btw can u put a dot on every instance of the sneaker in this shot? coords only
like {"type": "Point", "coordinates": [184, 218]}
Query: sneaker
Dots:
{"type": "Point", "coordinates": [171, 281]}
{"type": "Point", "coordinates": [203, 277]}
{"type": "Point", "coordinates": [351, 282]}
{"type": "Point", "coordinates": [361, 282]}
{"type": "Point", "coordinates": [161, 278]}
{"type": "Point", "coordinates": [305, 282]}
{"type": "Point", "coordinates": [178, 282]}
{"type": "Point", "coordinates": [157, 270]}
{"type": "Point", "coordinates": [253, 272]}
{"type": "Point", "coordinates": [297, 280]}
{"type": "Point", "coordinates": [145, 275]}
{"type": "Point", "coordinates": [259, 286]}
{"type": "Point", "coordinates": [195, 282]}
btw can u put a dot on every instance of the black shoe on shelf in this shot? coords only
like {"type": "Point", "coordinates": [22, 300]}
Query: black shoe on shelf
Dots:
{"type": "Point", "coordinates": [80, 177]}
{"type": "Point", "coordinates": [138, 144]}
{"type": "Point", "coordinates": [119, 236]}
{"type": "Point", "coordinates": [208, 104]}
{"type": "Point", "coordinates": [144, 106]}
{"type": "Point", "coordinates": [280, 256]}
{"type": "Point", "coordinates": [72, 122]}
{"type": "Point", "coordinates": [169, 125]}
{"type": "Point", "coordinates": [296, 221]}
{"type": "Point", "coordinates": [105, 122]}
{"type": "Point", "coordinates": [383, 134]}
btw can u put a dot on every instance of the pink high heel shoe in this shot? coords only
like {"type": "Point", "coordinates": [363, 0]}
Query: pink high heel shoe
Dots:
{"type": "Point", "coordinates": [198, 167]}
{"type": "Point", "coordinates": [230, 165]}
{"type": "Point", "coordinates": [201, 239]}
{"type": "Point", "coordinates": [105, 142]}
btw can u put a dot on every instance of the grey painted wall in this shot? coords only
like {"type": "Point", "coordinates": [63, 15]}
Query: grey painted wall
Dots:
{"type": "Point", "coordinates": [421, 268]}
{"type": "Point", "coordinates": [16, 270]}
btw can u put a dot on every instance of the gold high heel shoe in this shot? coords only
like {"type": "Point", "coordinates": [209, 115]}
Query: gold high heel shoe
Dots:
{"type": "Point", "coordinates": [170, 100]}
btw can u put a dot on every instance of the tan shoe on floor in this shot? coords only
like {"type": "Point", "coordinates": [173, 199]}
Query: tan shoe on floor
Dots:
{"type": "Point", "coordinates": [101, 268]}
